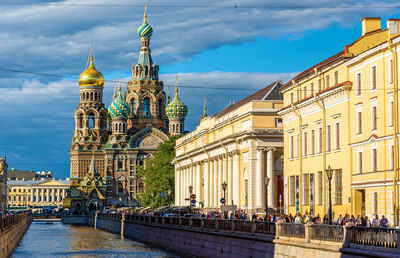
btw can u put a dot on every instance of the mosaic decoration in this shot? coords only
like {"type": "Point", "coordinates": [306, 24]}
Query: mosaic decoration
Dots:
{"type": "Point", "coordinates": [119, 108]}
{"type": "Point", "coordinates": [145, 30]}
{"type": "Point", "coordinates": [176, 109]}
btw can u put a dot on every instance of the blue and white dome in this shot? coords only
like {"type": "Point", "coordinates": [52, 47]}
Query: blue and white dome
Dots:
{"type": "Point", "coordinates": [119, 107]}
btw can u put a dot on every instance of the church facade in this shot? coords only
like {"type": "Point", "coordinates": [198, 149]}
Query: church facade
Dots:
{"type": "Point", "coordinates": [118, 139]}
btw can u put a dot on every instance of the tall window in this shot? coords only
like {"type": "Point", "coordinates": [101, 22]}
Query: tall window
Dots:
{"type": "Point", "coordinates": [338, 187]}
{"type": "Point", "coordinates": [390, 71]}
{"type": "Point", "coordinates": [391, 155]}
{"type": "Point", "coordinates": [374, 159]}
{"type": "Point", "coordinates": [298, 145]}
{"type": "Point", "coordinates": [305, 92]}
{"type": "Point", "coordinates": [305, 144]}
{"type": "Point", "coordinates": [391, 112]}
{"type": "Point", "coordinates": [375, 203]}
{"type": "Point", "coordinates": [336, 77]}
{"type": "Point", "coordinates": [319, 85]}
{"type": "Point", "coordinates": [360, 162]}
{"type": "Point", "coordinates": [292, 196]}
{"type": "Point", "coordinates": [133, 106]}
{"type": "Point", "coordinates": [147, 107]}
{"type": "Point", "coordinates": [328, 138]}
{"type": "Point", "coordinates": [306, 187]}
{"type": "Point", "coordinates": [337, 136]}
{"type": "Point", "coordinates": [320, 139]}
{"type": "Point", "coordinates": [291, 98]}
{"type": "Point", "coordinates": [312, 88]}
{"type": "Point", "coordinates": [319, 194]}
{"type": "Point", "coordinates": [312, 147]}
{"type": "Point", "coordinates": [327, 81]}
{"type": "Point", "coordinates": [373, 78]}
{"type": "Point", "coordinates": [291, 146]}
{"type": "Point", "coordinates": [359, 122]}
{"type": "Point", "coordinates": [374, 118]}
{"type": "Point", "coordinates": [159, 108]}
{"type": "Point", "coordinates": [358, 84]}
{"type": "Point", "coordinates": [91, 121]}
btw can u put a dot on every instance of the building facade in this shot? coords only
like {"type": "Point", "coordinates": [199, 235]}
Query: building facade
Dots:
{"type": "Point", "coordinates": [16, 174]}
{"type": "Point", "coordinates": [126, 133]}
{"type": "Point", "coordinates": [241, 146]}
{"type": "Point", "coordinates": [3, 183]}
{"type": "Point", "coordinates": [343, 113]}
{"type": "Point", "coordinates": [37, 193]}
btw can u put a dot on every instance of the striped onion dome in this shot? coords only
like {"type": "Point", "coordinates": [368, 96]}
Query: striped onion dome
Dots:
{"type": "Point", "coordinates": [119, 107]}
{"type": "Point", "coordinates": [145, 30]}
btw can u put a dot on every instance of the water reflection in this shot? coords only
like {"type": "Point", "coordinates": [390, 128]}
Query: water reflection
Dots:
{"type": "Point", "coordinates": [59, 240]}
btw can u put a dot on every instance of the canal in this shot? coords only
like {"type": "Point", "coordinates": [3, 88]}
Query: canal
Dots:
{"type": "Point", "coordinates": [59, 240]}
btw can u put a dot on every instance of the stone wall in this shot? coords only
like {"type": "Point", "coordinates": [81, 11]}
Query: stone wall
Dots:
{"type": "Point", "coordinates": [11, 233]}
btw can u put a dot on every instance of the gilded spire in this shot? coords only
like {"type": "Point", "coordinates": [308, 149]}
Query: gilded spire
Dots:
{"type": "Point", "coordinates": [119, 86]}
{"type": "Point", "coordinates": [169, 96]}
{"type": "Point", "coordinates": [91, 76]}
{"type": "Point", "coordinates": [145, 13]}
{"type": "Point", "coordinates": [91, 54]}
{"type": "Point", "coordinates": [176, 86]}
{"type": "Point", "coordinates": [115, 92]}
{"type": "Point", "coordinates": [205, 108]}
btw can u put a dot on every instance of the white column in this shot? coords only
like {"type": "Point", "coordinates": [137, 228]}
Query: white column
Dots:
{"type": "Point", "coordinates": [47, 194]}
{"type": "Point", "coordinates": [53, 196]}
{"type": "Point", "coordinates": [215, 175]}
{"type": "Point", "coordinates": [58, 195]}
{"type": "Point", "coordinates": [176, 186]}
{"type": "Point", "coordinates": [270, 174]}
{"type": "Point", "coordinates": [63, 193]}
{"type": "Point", "coordinates": [37, 195]}
{"type": "Point", "coordinates": [206, 187]}
{"type": "Point", "coordinates": [32, 195]}
{"type": "Point", "coordinates": [42, 195]}
{"type": "Point", "coordinates": [259, 179]}
{"type": "Point", "coordinates": [198, 184]}
{"type": "Point", "coordinates": [184, 186]}
{"type": "Point", "coordinates": [211, 183]}
{"type": "Point", "coordinates": [236, 182]}
{"type": "Point", "coordinates": [229, 182]}
{"type": "Point", "coordinates": [220, 179]}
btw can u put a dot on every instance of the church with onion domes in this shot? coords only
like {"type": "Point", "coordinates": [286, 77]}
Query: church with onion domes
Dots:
{"type": "Point", "coordinates": [112, 142]}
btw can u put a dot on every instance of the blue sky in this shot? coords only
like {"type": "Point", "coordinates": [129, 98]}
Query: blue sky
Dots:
{"type": "Point", "coordinates": [214, 45]}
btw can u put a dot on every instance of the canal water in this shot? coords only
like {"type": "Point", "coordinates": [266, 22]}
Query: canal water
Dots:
{"type": "Point", "coordinates": [59, 240]}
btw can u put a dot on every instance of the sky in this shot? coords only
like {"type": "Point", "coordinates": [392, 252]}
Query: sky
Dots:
{"type": "Point", "coordinates": [238, 45]}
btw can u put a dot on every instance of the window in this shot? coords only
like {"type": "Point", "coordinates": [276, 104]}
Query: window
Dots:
{"type": "Point", "coordinates": [306, 187]}
{"type": "Point", "coordinates": [320, 139]}
{"type": "Point", "coordinates": [327, 81]}
{"type": "Point", "coordinates": [338, 187]}
{"type": "Point", "coordinates": [305, 92]}
{"type": "Point", "coordinates": [133, 106]}
{"type": "Point", "coordinates": [298, 95]}
{"type": "Point", "coordinates": [358, 84]}
{"type": "Point", "coordinates": [374, 159]}
{"type": "Point", "coordinates": [159, 109]}
{"type": "Point", "coordinates": [147, 107]}
{"type": "Point", "coordinates": [390, 71]}
{"type": "Point", "coordinates": [312, 88]}
{"type": "Point", "coordinates": [328, 138]}
{"type": "Point", "coordinates": [373, 78]}
{"type": "Point", "coordinates": [391, 111]}
{"type": "Point", "coordinates": [305, 144]}
{"type": "Point", "coordinates": [291, 154]}
{"type": "Point", "coordinates": [319, 85]}
{"type": "Point", "coordinates": [319, 194]}
{"type": "Point", "coordinates": [312, 145]}
{"type": "Point", "coordinates": [374, 118]}
{"type": "Point", "coordinates": [278, 122]}
{"type": "Point", "coordinates": [391, 155]}
{"type": "Point", "coordinates": [291, 98]}
{"type": "Point", "coordinates": [359, 122]}
{"type": "Point", "coordinates": [298, 146]}
{"type": "Point", "coordinates": [292, 191]}
{"type": "Point", "coordinates": [336, 77]}
{"type": "Point", "coordinates": [91, 121]}
{"type": "Point", "coordinates": [337, 136]}
{"type": "Point", "coordinates": [359, 162]}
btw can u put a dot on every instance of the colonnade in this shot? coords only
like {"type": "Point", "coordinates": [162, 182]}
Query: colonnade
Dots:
{"type": "Point", "coordinates": [206, 177]}
{"type": "Point", "coordinates": [43, 194]}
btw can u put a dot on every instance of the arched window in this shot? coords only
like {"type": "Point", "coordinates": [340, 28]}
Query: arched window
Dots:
{"type": "Point", "coordinates": [120, 127]}
{"type": "Point", "coordinates": [147, 107]}
{"type": "Point", "coordinates": [87, 95]}
{"type": "Point", "coordinates": [91, 121]}
{"type": "Point", "coordinates": [80, 121]}
{"type": "Point", "coordinates": [95, 96]}
{"type": "Point", "coordinates": [181, 128]}
{"type": "Point", "coordinates": [173, 128]}
{"type": "Point", "coordinates": [91, 96]}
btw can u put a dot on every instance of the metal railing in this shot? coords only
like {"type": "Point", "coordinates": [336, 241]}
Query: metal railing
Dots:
{"type": "Point", "coordinates": [225, 224]}
{"type": "Point", "coordinates": [266, 227]}
{"type": "Point", "coordinates": [243, 225]}
{"type": "Point", "coordinates": [383, 237]}
{"type": "Point", "coordinates": [185, 221]}
{"type": "Point", "coordinates": [196, 222]}
{"type": "Point", "coordinates": [209, 223]}
{"type": "Point", "coordinates": [11, 220]}
{"type": "Point", "coordinates": [293, 230]}
{"type": "Point", "coordinates": [332, 233]}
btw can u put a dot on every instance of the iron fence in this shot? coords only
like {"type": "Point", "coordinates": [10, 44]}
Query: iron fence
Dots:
{"type": "Point", "coordinates": [332, 233]}
{"type": "Point", "coordinates": [292, 230]}
{"type": "Point", "coordinates": [243, 225]}
{"type": "Point", "coordinates": [383, 237]}
{"type": "Point", "coordinates": [266, 227]}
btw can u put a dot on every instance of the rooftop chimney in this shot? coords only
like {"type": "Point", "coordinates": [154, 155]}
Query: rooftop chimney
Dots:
{"type": "Point", "coordinates": [370, 24]}
{"type": "Point", "coordinates": [393, 25]}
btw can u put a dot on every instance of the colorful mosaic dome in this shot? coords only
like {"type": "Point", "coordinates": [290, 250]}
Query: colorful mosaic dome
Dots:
{"type": "Point", "coordinates": [145, 30]}
{"type": "Point", "coordinates": [176, 109]}
{"type": "Point", "coordinates": [119, 107]}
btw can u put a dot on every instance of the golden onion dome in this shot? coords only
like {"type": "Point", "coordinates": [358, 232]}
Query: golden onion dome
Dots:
{"type": "Point", "coordinates": [91, 76]}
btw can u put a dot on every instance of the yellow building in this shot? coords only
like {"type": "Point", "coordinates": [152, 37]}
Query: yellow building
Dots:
{"type": "Point", "coordinates": [241, 146]}
{"type": "Point", "coordinates": [36, 192]}
{"type": "Point", "coordinates": [343, 113]}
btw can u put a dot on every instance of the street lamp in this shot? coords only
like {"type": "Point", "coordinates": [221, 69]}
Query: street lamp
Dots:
{"type": "Point", "coordinates": [266, 182]}
{"type": "Point", "coordinates": [224, 188]}
{"type": "Point", "coordinates": [329, 174]}
{"type": "Point", "coordinates": [190, 196]}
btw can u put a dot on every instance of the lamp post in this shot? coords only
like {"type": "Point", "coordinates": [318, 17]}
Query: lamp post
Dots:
{"type": "Point", "coordinates": [169, 197]}
{"type": "Point", "coordinates": [224, 188]}
{"type": "Point", "coordinates": [190, 196]}
{"type": "Point", "coordinates": [329, 174]}
{"type": "Point", "coordinates": [266, 182]}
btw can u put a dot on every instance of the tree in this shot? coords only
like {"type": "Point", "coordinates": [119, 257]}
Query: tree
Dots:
{"type": "Point", "coordinates": [159, 176]}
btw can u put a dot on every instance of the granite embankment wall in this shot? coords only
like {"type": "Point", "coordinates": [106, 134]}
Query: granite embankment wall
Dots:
{"type": "Point", "coordinates": [214, 242]}
{"type": "Point", "coordinates": [12, 229]}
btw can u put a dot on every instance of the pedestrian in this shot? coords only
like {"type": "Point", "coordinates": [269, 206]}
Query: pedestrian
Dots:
{"type": "Point", "coordinates": [384, 222]}
{"type": "Point", "coordinates": [375, 221]}
{"type": "Point", "coordinates": [339, 220]}
{"type": "Point", "coordinates": [367, 222]}
{"type": "Point", "coordinates": [298, 219]}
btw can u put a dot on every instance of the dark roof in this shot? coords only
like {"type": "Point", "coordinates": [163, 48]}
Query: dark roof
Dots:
{"type": "Point", "coordinates": [273, 94]}
{"type": "Point", "coordinates": [311, 69]}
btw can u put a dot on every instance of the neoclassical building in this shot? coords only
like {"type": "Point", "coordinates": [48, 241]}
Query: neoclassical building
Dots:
{"type": "Point", "coordinates": [129, 131]}
{"type": "Point", "coordinates": [241, 146]}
